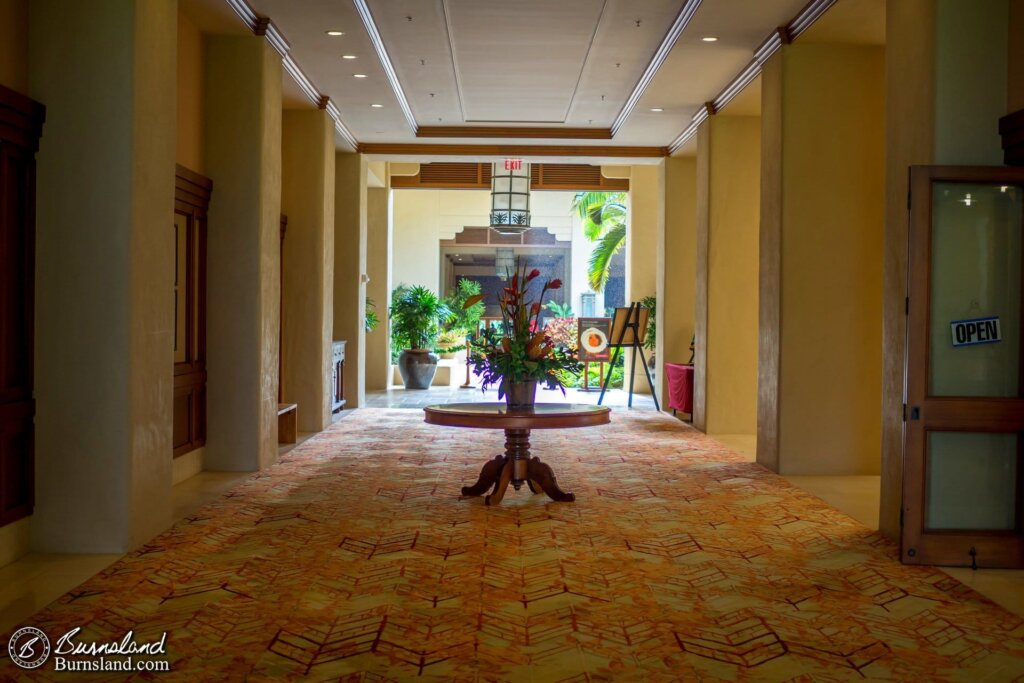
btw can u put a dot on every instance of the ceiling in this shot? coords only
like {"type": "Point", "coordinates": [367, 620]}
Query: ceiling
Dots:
{"type": "Point", "coordinates": [580, 70]}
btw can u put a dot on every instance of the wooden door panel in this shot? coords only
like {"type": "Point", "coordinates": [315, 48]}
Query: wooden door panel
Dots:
{"type": "Point", "coordinates": [21, 122]}
{"type": "Point", "coordinates": [970, 482]}
{"type": "Point", "coordinates": [15, 277]}
{"type": "Point", "coordinates": [192, 196]}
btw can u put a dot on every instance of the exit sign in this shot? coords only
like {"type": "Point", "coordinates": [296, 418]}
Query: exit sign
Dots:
{"type": "Point", "coordinates": [513, 164]}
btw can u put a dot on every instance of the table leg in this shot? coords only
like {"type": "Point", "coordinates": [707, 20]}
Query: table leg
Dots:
{"type": "Point", "coordinates": [541, 474]}
{"type": "Point", "coordinates": [514, 471]}
{"type": "Point", "coordinates": [488, 476]}
{"type": "Point", "coordinates": [502, 485]}
{"type": "Point", "coordinates": [516, 467]}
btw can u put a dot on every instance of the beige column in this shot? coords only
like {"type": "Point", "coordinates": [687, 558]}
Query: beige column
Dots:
{"type": "Point", "coordinates": [822, 219]}
{"type": "Point", "coordinates": [646, 225]}
{"type": "Point", "coordinates": [349, 269]}
{"type": "Point", "coordinates": [243, 157]}
{"type": "Point", "coordinates": [946, 85]}
{"type": "Point", "coordinates": [677, 267]}
{"type": "Point", "coordinates": [105, 260]}
{"type": "Point", "coordinates": [307, 198]}
{"type": "Point", "coordinates": [378, 264]}
{"type": "Point", "coordinates": [728, 190]}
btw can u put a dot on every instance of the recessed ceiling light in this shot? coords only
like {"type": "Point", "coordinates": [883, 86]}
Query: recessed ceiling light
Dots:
{"type": "Point", "coordinates": [348, 56]}
{"type": "Point", "coordinates": [657, 109]}
{"type": "Point", "coordinates": [376, 106]}
{"type": "Point", "coordinates": [710, 39]}
{"type": "Point", "coordinates": [335, 33]}
{"type": "Point", "coordinates": [359, 75]}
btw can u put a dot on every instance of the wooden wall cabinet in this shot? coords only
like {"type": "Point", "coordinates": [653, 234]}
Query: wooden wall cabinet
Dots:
{"type": "Point", "coordinates": [21, 125]}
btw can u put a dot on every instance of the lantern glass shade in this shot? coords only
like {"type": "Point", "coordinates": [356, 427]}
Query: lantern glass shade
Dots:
{"type": "Point", "coordinates": [510, 199]}
{"type": "Point", "coordinates": [504, 262]}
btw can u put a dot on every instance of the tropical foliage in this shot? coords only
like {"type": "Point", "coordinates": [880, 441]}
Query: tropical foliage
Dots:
{"type": "Point", "coordinates": [560, 310]}
{"type": "Point", "coordinates": [562, 332]}
{"type": "Point", "coordinates": [650, 303]}
{"type": "Point", "coordinates": [519, 350]}
{"type": "Point", "coordinates": [417, 315]}
{"type": "Point", "coordinates": [371, 319]}
{"type": "Point", "coordinates": [464, 318]}
{"type": "Point", "coordinates": [604, 217]}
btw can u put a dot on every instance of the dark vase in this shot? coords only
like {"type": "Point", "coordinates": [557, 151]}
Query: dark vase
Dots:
{"type": "Point", "coordinates": [417, 368]}
{"type": "Point", "coordinates": [520, 394]}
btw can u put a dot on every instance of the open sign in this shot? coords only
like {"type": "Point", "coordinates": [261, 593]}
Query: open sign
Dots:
{"type": "Point", "coordinates": [976, 331]}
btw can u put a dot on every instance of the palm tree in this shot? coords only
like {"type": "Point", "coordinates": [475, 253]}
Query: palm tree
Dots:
{"type": "Point", "coordinates": [604, 221]}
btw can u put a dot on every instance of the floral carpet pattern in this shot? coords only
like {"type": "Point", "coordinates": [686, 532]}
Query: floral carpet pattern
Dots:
{"type": "Point", "coordinates": [354, 559]}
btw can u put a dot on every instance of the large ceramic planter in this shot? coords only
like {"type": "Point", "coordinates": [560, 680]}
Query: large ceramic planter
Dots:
{"type": "Point", "coordinates": [417, 368]}
{"type": "Point", "coordinates": [520, 395]}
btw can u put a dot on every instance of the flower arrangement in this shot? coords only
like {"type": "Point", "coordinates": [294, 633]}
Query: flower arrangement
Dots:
{"type": "Point", "coordinates": [520, 351]}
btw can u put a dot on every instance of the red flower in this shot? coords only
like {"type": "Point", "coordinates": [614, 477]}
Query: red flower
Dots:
{"type": "Point", "coordinates": [533, 273]}
{"type": "Point", "coordinates": [535, 308]}
{"type": "Point", "coordinates": [555, 284]}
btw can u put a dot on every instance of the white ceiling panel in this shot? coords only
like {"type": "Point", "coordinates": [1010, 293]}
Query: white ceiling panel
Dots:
{"type": "Point", "coordinates": [547, 63]}
{"type": "Point", "coordinates": [620, 54]}
{"type": "Point", "coordinates": [520, 61]}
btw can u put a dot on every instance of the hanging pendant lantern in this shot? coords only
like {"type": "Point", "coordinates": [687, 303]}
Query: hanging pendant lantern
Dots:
{"type": "Point", "coordinates": [510, 198]}
{"type": "Point", "coordinates": [504, 262]}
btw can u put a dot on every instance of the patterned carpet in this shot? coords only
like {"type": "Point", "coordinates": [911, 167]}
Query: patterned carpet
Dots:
{"type": "Point", "coordinates": [355, 559]}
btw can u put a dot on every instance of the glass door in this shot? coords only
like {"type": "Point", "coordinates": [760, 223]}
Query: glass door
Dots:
{"type": "Point", "coordinates": [964, 412]}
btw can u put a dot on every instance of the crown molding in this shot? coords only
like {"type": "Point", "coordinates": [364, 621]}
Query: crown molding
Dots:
{"type": "Point", "coordinates": [769, 46]}
{"type": "Point", "coordinates": [266, 28]}
{"type": "Point", "coordinates": [385, 61]}
{"type": "Point", "coordinates": [498, 150]}
{"type": "Point", "coordinates": [808, 15]}
{"type": "Point", "coordinates": [513, 132]}
{"type": "Point", "coordinates": [263, 26]}
{"type": "Point", "coordinates": [339, 125]}
{"type": "Point", "coordinates": [667, 43]}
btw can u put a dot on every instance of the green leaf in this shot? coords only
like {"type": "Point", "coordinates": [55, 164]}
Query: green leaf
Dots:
{"type": "Point", "coordinates": [599, 267]}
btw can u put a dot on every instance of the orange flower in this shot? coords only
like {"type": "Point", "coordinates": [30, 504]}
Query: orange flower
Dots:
{"type": "Point", "coordinates": [533, 349]}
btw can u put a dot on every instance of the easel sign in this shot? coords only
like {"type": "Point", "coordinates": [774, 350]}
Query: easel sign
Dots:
{"type": "Point", "coordinates": [629, 329]}
{"type": "Point", "coordinates": [592, 336]}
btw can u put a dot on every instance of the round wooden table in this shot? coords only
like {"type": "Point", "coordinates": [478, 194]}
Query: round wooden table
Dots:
{"type": "Point", "coordinates": [515, 466]}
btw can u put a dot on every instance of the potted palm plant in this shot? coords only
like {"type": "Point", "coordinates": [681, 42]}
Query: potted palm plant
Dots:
{"type": "Point", "coordinates": [416, 318]}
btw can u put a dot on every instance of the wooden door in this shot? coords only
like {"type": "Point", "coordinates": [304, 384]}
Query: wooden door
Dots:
{"type": "Point", "coordinates": [191, 201]}
{"type": "Point", "coordinates": [964, 412]}
{"type": "Point", "coordinates": [21, 122]}
{"type": "Point", "coordinates": [280, 314]}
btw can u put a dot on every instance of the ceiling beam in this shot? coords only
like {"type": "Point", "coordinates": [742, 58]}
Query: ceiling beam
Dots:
{"type": "Point", "coordinates": [513, 132]}
{"type": "Point", "coordinates": [498, 150]}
